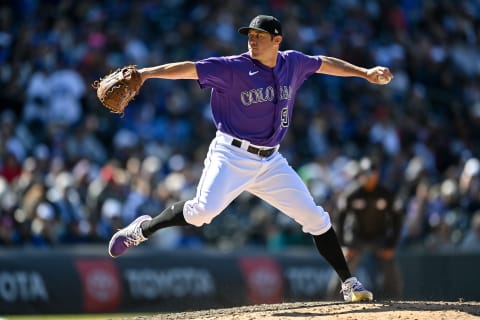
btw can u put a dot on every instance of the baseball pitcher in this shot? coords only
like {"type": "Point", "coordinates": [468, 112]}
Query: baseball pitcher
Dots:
{"type": "Point", "coordinates": [252, 100]}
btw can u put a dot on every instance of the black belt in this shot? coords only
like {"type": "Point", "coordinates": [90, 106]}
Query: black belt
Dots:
{"type": "Point", "coordinates": [264, 153]}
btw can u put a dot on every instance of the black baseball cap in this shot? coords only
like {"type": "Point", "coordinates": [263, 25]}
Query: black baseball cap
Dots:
{"type": "Point", "coordinates": [367, 165]}
{"type": "Point", "coordinates": [264, 23]}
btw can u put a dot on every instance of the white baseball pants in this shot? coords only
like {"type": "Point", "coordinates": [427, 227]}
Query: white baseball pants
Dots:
{"type": "Point", "coordinates": [230, 170]}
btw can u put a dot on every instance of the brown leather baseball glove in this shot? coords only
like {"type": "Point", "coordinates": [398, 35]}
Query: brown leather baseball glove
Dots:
{"type": "Point", "coordinates": [117, 89]}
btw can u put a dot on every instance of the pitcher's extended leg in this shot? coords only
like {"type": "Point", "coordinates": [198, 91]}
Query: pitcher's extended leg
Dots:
{"type": "Point", "coordinates": [280, 186]}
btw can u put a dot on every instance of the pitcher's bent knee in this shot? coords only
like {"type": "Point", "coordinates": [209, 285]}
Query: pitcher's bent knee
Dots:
{"type": "Point", "coordinates": [198, 214]}
{"type": "Point", "coordinates": [318, 224]}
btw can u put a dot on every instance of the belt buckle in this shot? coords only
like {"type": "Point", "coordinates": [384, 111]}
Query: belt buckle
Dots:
{"type": "Point", "coordinates": [259, 151]}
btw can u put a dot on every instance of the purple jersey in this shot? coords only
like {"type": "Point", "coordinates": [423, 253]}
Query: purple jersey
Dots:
{"type": "Point", "coordinates": [251, 101]}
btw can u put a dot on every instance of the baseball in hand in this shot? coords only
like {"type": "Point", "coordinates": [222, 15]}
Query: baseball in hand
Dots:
{"type": "Point", "coordinates": [383, 79]}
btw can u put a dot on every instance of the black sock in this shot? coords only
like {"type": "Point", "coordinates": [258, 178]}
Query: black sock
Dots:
{"type": "Point", "coordinates": [171, 216]}
{"type": "Point", "coordinates": [329, 247]}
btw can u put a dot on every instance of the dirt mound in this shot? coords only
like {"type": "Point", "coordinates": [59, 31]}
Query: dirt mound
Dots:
{"type": "Point", "coordinates": [385, 310]}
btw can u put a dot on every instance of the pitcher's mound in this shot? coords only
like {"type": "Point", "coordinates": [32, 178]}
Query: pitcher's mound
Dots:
{"type": "Point", "coordinates": [378, 310]}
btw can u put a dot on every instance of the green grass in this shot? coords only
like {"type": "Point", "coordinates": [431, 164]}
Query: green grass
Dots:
{"type": "Point", "coordinates": [74, 317]}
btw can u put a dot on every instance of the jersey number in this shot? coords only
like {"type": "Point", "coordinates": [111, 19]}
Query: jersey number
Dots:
{"type": "Point", "coordinates": [284, 119]}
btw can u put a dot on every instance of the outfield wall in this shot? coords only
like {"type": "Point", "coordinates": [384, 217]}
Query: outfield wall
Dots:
{"type": "Point", "coordinates": [85, 281]}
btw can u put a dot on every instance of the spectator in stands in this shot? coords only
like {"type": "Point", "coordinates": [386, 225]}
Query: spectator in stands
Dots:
{"type": "Point", "coordinates": [10, 167]}
{"type": "Point", "coordinates": [415, 224]}
{"type": "Point", "coordinates": [8, 205]}
{"type": "Point", "coordinates": [471, 241]}
{"type": "Point", "coordinates": [469, 186]}
{"type": "Point", "coordinates": [82, 143]}
{"type": "Point", "coordinates": [12, 147]}
{"type": "Point", "coordinates": [44, 225]}
{"type": "Point", "coordinates": [66, 90]}
{"type": "Point", "coordinates": [110, 218]}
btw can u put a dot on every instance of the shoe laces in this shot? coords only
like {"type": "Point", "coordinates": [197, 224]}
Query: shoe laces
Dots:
{"type": "Point", "coordinates": [134, 238]}
{"type": "Point", "coordinates": [352, 285]}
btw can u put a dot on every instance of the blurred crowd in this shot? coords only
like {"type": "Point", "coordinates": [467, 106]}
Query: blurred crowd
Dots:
{"type": "Point", "coordinates": [72, 173]}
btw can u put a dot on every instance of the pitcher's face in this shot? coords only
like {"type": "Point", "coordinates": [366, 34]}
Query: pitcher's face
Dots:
{"type": "Point", "coordinates": [262, 44]}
